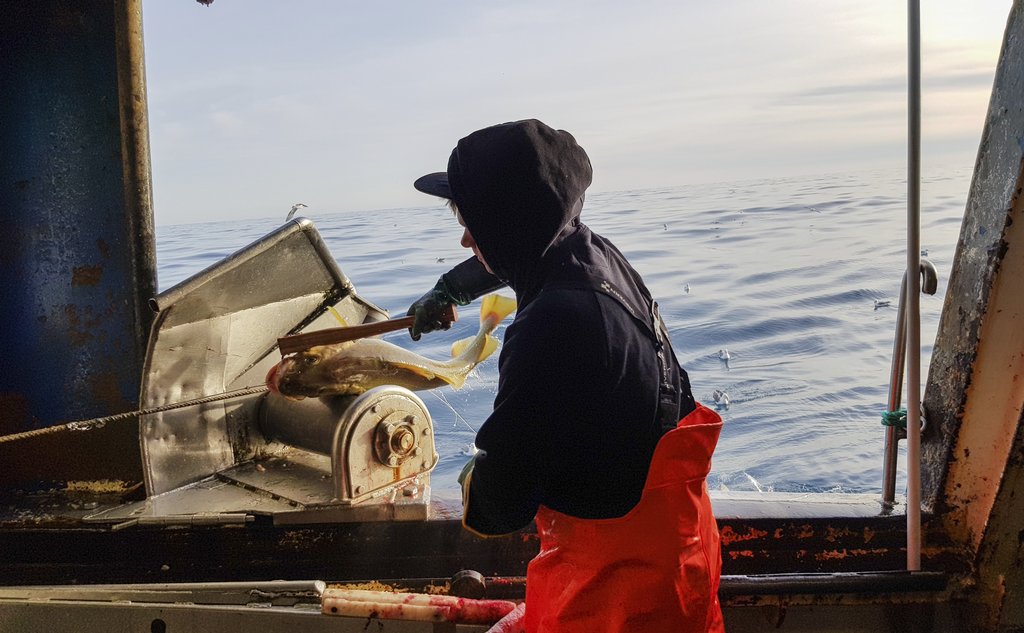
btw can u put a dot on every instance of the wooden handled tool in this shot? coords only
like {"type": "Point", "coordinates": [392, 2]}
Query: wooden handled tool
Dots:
{"type": "Point", "coordinates": [334, 335]}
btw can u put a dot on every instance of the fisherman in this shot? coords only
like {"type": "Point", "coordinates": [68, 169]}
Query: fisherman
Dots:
{"type": "Point", "coordinates": [595, 433]}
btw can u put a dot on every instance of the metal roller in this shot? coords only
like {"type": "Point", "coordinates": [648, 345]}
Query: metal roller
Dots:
{"type": "Point", "coordinates": [375, 440]}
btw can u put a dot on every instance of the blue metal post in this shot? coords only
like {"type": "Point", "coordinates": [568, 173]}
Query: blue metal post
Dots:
{"type": "Point", "coordinates": [77, 260]}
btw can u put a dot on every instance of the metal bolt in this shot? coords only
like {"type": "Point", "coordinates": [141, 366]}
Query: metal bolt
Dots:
{"type": "Point", "coordinates": [359, 490]}
{"type": "Point", "coordinates": [426, 430]}
{"type": "Point", "coordinates": [389, 429]}
{"type": "Point", "coordinates": [375, 408]}
{"type": "Point", "coordinates": [418, 451]}
{"type": "Point", "coordinates": [392, 460]}
{"type": "Point", "coordinates": [405, 440]}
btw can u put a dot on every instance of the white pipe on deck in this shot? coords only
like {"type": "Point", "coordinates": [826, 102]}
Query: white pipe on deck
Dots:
{"type": "Point", "coordinates": [913, 287]}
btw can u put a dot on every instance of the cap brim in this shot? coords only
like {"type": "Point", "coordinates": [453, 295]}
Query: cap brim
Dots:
{"type": "Point", "coordinates": [435, 184]}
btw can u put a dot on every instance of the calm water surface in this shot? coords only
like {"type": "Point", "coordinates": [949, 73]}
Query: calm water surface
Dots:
{"type": "Point", "coordinates": [797, 278]}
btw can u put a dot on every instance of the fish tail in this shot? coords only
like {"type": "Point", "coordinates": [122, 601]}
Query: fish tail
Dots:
{"type": "Point", "coordinates": [455, 380]}
{"type": "Point", "coordinates": [493, 309]}
{"type": "Point", "coordinates": [489, 346]}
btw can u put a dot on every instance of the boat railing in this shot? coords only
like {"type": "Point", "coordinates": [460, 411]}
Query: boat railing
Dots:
{"type": "Point", "coordinates": [896, 432]}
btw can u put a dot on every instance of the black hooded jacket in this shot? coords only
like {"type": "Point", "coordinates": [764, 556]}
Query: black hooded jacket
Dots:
{"type": "Point", "coordinates": [580, 403]}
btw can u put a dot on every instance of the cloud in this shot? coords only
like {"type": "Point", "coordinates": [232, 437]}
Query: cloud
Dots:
{"type": "Point", "coordinates": [256, 104]}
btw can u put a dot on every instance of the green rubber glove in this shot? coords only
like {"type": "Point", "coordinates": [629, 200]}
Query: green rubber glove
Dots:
{"type": "Point", "coordinates": [430, 308]}
{"type": "Point", "coordinates": [460, 286]}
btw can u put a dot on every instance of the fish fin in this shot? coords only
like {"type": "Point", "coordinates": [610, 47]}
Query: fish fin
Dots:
{"type": "Point", "coordinates": [455, 381]}
{"type": "Point", "coordinates": [496, 307]}
{"type": "Point", "coordinates": [489, 346]}
{"type": "Point", "coordinates": [461, 345]}
{"type": "Point", "coordinates": [419, 371]}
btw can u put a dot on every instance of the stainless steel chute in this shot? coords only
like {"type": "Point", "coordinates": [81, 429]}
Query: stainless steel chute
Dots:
{"type": "Point", "coordinates": [320, 460]}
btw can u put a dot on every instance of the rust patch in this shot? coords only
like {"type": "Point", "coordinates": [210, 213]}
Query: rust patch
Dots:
{"type": "Point", "coordinates": [806, 531]}
{"type": "Point", "coordinates": [729, 536]}
{"type": "Point", "coordinates": [105, 389]}
{"type": "Point", "coordinates": [746, 553]}
{"type": "Point", "coordinates": [86, 275]}
{"type": "Point", "coordinates": [833, 534]}
{"type": "Point", "coordinates": [842, 554]}
{"type": "Point", "coordinates": [14, 416]}
{"type": "Point", "coordinates": [835, 554]}
{"type": "Point", "coordinates": [76, 334]}
{"type": "Point", "coordinates": [868, 534]}
{"type": "Point", "coordinates": [83, 320]}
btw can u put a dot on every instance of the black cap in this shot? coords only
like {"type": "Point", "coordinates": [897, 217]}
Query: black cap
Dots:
{"type": "Point", "coordinates": [435, 184]}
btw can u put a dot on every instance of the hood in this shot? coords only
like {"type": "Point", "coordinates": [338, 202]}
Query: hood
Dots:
{"type": "Point", "coordinates": [518, 187]}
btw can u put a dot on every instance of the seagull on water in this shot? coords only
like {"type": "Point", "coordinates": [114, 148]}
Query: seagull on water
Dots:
{"type": "Point", "coordinates": [721, 399]}
{"type": "Point", "coordinates": [295, 207]}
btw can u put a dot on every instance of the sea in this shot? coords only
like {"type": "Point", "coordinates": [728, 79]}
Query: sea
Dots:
{"type": "Point", "coordinates": [780, 295]}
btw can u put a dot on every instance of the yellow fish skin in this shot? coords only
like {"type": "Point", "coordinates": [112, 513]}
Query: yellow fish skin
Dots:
{"type": "Point", "coordinates": [356, 366]}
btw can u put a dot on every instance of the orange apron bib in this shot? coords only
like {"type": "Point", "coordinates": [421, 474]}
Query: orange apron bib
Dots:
{"type": "Point", "coordinates": [654, 570]}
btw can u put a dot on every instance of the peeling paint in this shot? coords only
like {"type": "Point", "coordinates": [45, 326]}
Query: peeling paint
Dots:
{"type": "Point", "coordinates": [729, 536]}
{"type": "Point", "coordinates": [834, 534]}
{"type": "Point", "coordinates": [842, 554]}
{"type": "Point", "coordinates": [104, 388]}
{"type": "Point", "coordinates": [14, 412]}
{"type": "Point", "coordinates": [86, 275]}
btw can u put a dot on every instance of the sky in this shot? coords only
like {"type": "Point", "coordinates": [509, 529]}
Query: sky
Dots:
{"type": "Point", "coordinates": [258, 104]}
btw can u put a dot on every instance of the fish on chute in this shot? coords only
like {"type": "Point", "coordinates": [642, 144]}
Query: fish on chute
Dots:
{"type": "Point", "coordinates": [355, 366]}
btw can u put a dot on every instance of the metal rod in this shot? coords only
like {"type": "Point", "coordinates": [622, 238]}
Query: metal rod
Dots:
{"type": "Point", "coordinates": [892, 432]}
{"type": "Point", "coordinates": [135, 159]}
{"type": "Point", "coordinates": [913, 292]}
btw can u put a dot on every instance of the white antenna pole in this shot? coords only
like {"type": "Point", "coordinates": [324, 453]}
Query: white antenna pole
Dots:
{"type": "Point", "coordinates": [913, 297]}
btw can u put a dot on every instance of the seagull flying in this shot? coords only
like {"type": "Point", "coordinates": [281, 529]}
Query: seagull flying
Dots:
{"type": "Point", "coordinates": [295, 207]}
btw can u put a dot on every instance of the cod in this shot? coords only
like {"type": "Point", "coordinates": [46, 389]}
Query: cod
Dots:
{"type": "Point", "coordinates": [355, 366]}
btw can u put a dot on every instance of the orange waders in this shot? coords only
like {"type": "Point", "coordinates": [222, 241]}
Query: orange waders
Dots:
{"type": "Point", "coordinates": [654, 570]}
